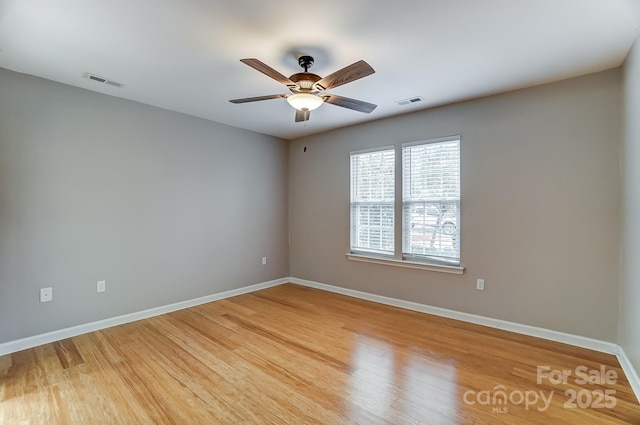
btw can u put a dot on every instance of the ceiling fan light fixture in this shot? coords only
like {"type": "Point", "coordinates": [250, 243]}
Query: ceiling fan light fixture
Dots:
{"type": "Point", "coordinates": [305, 101]}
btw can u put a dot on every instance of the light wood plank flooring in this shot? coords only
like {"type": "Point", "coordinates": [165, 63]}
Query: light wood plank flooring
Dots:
{"type": "Point", "coordinates": [294, 355]}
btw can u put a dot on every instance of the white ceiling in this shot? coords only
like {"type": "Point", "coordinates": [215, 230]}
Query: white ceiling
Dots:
{"type": "Point", "coordinates": [183, 55]}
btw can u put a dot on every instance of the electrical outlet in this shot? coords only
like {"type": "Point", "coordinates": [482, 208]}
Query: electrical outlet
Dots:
{"type": "Point", "coordinates": [480, 284]}
{"type": "Point", "coordinates": [101, 286]}
{"type": "Point", "coordinates": [264, 260]}
{"type": "Point", "coordinates": [46, 295]}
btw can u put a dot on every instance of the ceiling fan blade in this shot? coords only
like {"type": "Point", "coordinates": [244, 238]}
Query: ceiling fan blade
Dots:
{"type": "Point", "coordinates": [255, 99]}
{"type": "Point", "coordinates": [302, 115]}
{"type": "Point", "coordinates": [268, 71]}
{"type": "Point", "coordinates": [345, 102]}
{"type": "Point", "coordinates": [345, 75]}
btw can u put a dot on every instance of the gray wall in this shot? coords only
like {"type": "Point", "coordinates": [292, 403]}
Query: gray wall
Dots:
{"type": "Point", "coordinates": [164, 206]}
{"type": "Point", "coordinates": [540, 206]}
{"type": "Point", "coordinates": [630, 288]}
{"type": "Point", "coordinates": [168, 207]}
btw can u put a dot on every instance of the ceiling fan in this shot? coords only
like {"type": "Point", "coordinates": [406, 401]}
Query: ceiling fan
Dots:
{"type": "Point", "coordinates": [306, 87]}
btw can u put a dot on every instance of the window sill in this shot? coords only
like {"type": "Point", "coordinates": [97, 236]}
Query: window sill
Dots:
{"type": "Point", "coordinates": [406, 264]}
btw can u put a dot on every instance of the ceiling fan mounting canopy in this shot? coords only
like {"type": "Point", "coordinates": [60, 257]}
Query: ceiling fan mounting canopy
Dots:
{"type": "Point", "coordinates": [305, 62]}
{"type": "Point", "coordinates": [305, 86]}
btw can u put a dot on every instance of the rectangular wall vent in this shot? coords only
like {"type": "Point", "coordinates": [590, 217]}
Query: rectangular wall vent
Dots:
{"type": "Point", "coordinates": [103, 80]}
{"type": "Point", "coordinates": [410, 101]}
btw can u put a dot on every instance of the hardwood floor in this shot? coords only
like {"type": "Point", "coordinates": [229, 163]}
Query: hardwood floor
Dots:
{"type": "Point", "coordinates": [294, 355]}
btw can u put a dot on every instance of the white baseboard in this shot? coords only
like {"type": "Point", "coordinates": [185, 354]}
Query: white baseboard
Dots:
{"type": "Point", "coordinates": [629, 371]}
{"type": "Point", "coordinates": [34, 341]}
{"type": "Point", "coordinates": [580, 341]}
{"type": "Point", "coordinates": [548, 334]}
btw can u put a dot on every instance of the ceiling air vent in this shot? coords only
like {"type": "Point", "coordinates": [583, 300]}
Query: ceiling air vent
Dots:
{"type": "Point", "coordinates": [103, 80]}
{"type": "Point", "coordinates": [410, 101]}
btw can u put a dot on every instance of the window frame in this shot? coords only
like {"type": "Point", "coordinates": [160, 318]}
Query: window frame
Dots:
{"type": "Point", "coordinates": [399, 258]}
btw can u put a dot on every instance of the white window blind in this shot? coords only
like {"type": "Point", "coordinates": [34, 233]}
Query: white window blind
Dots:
{"type": "Point", "coordinates": [372, 201]}
{"type": "Point", "coordinates": [431, 201]}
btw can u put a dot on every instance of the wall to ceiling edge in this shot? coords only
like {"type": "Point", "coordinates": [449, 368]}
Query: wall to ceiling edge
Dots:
{"type": "Point", "coordinates": [540, 206]}
{"type": "Point", "coordinates": [163, 206]}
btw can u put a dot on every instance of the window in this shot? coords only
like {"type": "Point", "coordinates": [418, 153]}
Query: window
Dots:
{"type": "Point", "coordinates": [373, 201]}
{"type": "Point", "coordinates": [428, 195]}
{"type": "Point", "coordinates": [431, 201]}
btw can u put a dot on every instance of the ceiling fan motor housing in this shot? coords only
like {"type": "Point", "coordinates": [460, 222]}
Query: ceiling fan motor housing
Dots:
{"type": "Point", "coordinates": [305, 81]}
